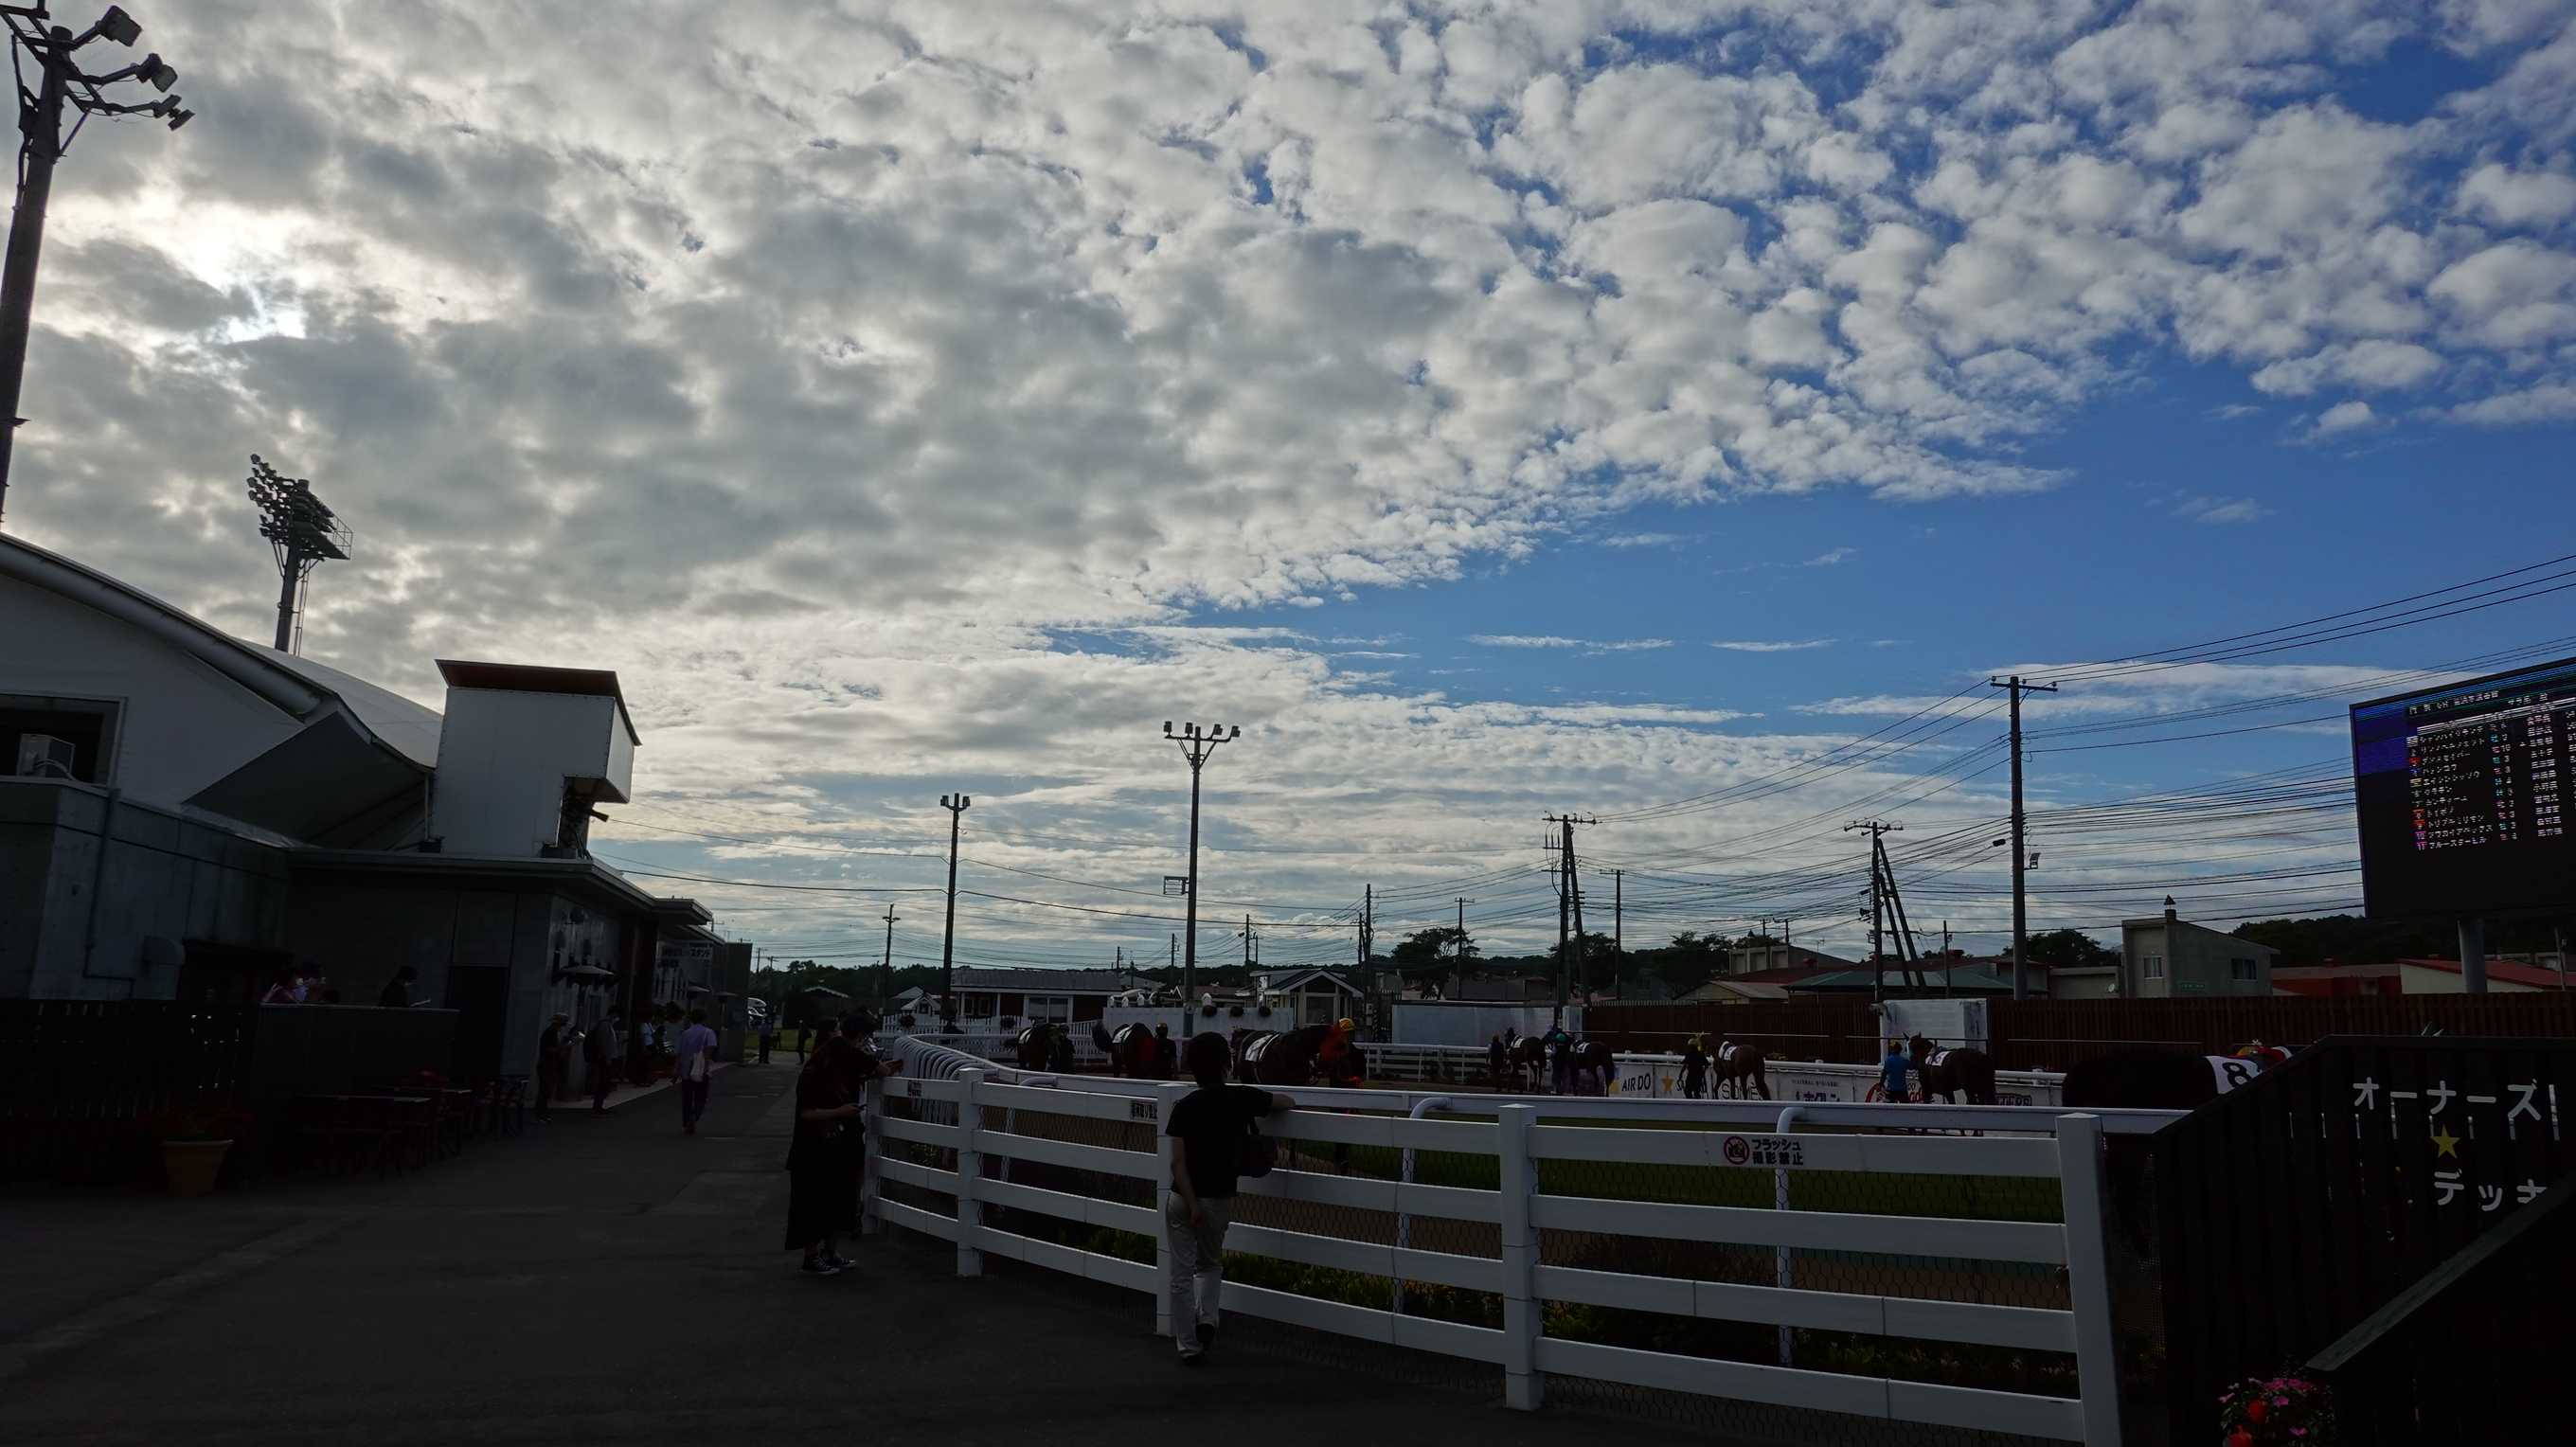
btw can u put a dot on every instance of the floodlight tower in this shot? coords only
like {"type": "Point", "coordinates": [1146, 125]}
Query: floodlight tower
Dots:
{"type": "Point", "coordinates": [41, 144]}
{"type": "Point", "coordinates": [301, 531]}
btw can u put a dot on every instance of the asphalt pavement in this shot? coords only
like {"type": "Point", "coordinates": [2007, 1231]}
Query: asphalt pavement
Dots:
{"type": "Point", "coordinates": [608, 1279]}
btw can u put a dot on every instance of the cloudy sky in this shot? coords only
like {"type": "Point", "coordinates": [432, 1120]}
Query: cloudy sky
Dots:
{"type": "Point", "coordinates": [1494, 408]}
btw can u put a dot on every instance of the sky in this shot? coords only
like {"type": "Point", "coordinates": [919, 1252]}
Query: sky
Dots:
{"type": "Point", "coordinates": [1662, 411]}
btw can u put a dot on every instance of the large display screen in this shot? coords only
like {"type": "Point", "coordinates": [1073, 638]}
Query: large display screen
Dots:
{"type": "Point", "coordinates": [2465, 793]}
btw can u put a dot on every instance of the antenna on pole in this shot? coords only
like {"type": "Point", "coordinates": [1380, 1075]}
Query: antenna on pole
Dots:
{"type": "Point", "coordinates": [301, 531]}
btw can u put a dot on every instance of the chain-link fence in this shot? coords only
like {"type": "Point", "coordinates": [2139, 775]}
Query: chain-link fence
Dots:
{"type": "Point", "coordinates": [1865, 1356]}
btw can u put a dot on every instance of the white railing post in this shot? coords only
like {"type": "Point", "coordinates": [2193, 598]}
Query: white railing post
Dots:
{"type": "Point", "coordinates": [1522, 1316]}
{"type": "Point", "coordinates": [970, 1174]}
{"type": "Point", "coordinates": [1165, 1097]}
{"type": "Point", "coordinates": [1782, 1276]}
{"type": "Point", "coordinates": [871, 1153]}
{"type": "Point", "coordinates": [2088, 1276]}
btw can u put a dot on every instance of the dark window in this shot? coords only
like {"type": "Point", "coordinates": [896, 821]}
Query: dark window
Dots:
{"type": "Point", "coordinates": [2240, 969]}
{"type": "Point", "coordinates": [37, 733]}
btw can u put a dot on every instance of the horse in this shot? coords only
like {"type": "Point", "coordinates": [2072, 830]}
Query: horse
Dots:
{"type": "Point", "coordinates": [2163, 1079]}
{"type": "Point", "coordinates": [1274, 1057]}
{"type": "Point", "coordinates": [1739, 1066]}
{"type": "Point", "coordinates": [1029, 1046]}
{"type": "Point", "coordinates": [1136, 1052]}
{"type": "Point", "coordinates": [1529, 1053]}
{"type": "Point", "coordinates": [1043, 1046]}
{"type": "Point", "coordinates": [1952, 1073]}
{"type": "Point", "coordinates": [1593, 1058]}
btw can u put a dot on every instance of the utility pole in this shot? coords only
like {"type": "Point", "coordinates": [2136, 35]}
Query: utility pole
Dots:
{"type": "Point", "coordinates": [885, 969]}
{"type": "Point", "coordinates": [1368, 924]}
{"type": "Point", "coordinates": [1247, 942]}
{"type": "Point", "coordinates": [1618, 926]}
{"type": "Point", "coordinates": [1458, 974]}
{"type": "Point", "coordinates": [2020, 837]}
{"type": "Point", "coordinates": [1569, 898]}
{"type": "Point", "coordinates": [1196, 743]}
{"type": "Point", "coordinates": [1877, 911]}
{"type": "Point", "coordinates": [40, 123]}
{"type": "Point", "coordinates": [956, 806]}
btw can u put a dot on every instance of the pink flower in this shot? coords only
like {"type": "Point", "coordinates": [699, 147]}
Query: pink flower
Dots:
{"type": "Point", "coordinates": [2280, 1401]}
{"type": "Point", "coordinates": [2298, 1431]}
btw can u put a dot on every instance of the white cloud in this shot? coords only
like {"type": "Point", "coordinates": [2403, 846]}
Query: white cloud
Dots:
{"type": "Point", "coordinates": [2341, 418]}
{"type": "Point", "coordinates": [1757, 646]}
{"type": "Point", "coordinates": [2548, 402]}
{"type": "Point", "coordinates": [1549, 640]}
{"type": "Point", "coordinates": [1646, 540]}
{"type": "Point", "coordinates": [2508, 197]}
{"type": "Point", "coordinates": [1829, 557]}
{"type": "Point", "coordinates": [2232, 411]}
{"type": "Point", "coordinates": [2220, 509]}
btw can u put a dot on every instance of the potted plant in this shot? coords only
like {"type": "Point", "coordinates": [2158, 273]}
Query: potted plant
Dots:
{"type": "Point", "coordinates": [1263, 1012]}
{"type": "Point", "coordinates": [2291, 1411]}
{"type": "Point", "coordinates": [1234, 1012]}
{"type": "Point", "coordinates": [194, 1141]}
{"type": "Point", "coordinates": [905, 1020]}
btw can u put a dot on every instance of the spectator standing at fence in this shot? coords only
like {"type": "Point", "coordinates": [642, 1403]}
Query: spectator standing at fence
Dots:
{"type": "Point", "coordinates": [1891, 1073]}
{"type": "Point", "coordinates": [554, 1055]}
{"type": "Point", "coordinates": [1694, 1069]}
{"type": "Point", "coordinates": [823, 1158]}
{"type": "Point", "coordinates": [1496, 1058]}
{"type": "Point", "coordinates": [599, 1053]}
{"type": "Point", "coordinates": [694, 1066]}
{"type": "Point", "coordinates": [397, 991]}
{"type": "Point", "coordinates": [1208, 1129]}
{"type": "Point", "coordinates": [768, 1034]}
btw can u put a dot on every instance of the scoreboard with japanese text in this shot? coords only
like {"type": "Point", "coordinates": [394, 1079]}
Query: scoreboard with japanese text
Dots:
{"type": "Point", "coordinates": [2465, 793]}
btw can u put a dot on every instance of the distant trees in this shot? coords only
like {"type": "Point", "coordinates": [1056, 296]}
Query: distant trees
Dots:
{"type": "Point", "coordinates": [2068, 949]}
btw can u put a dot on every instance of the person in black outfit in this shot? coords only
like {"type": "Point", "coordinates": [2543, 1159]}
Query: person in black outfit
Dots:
{"type": "Point", "coordinates": [1694, 1069]}
{"type": "Point", "coordinates": [823, 1156]}
{"type": "Point", "coordinates": [1208, 1129]}
{"type": "Point", "coordinates": [397, 992]}
{"type": "Point", "coordinates": [1496, 1060]}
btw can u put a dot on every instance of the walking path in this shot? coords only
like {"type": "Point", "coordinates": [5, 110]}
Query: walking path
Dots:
{"type": "Point", "coordinates": [605, 1279]}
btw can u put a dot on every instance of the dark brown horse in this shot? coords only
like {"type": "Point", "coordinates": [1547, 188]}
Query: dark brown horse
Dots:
{"type": "Point", "coordinates": [1949, 1074]}
{"type": "Point", "coordinates": [1274, 1057]}
{"type": "Point", "coordinates": [1034, 1048]}
{"type": "Point", "coordinates": [1529, 1056]}
{"type": "Point", "coordinates": [1592, 1058]}
{"type": "Point", "coordinates": [1738, 1066]}
{"type": "Point", "coordinates": [2163, 1079]}
{"type": "Point", "coordinates": [1136, 1052]}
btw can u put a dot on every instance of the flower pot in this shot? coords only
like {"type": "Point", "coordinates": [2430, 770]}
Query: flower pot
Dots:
{"type": "Point", "coordinates": [192, 1165]}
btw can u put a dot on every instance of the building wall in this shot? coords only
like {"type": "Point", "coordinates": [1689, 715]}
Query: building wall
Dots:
{"type": "Point", "coordinates": [2197, 962]}
{"type": "Point", "coordinates": [151, 873]}
{"type": "Point", "coordinates": [2138, 945]}
{"type": "Point", "coordinates": [181, 725]}
{"type": "Point", "coordinates": [2421, 981]}
{"type": "Point", "coordinates": [503, 758]}
{"type": "Point", "coordinates": [2083, 984]}
{"type": "Point", "coordinates": [361, 930]}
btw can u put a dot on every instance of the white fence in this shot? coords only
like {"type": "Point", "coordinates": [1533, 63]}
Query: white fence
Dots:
{"type": "Point", "coordinates": [957, 1099]}
{"type": "Point", "coordinates": [1660, 1076]}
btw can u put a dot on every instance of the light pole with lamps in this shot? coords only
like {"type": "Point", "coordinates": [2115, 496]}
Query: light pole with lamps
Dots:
{"type": "Point", "coordinates": [42, 143]}
{"type": "Point", "coordinates": [1197, 742]}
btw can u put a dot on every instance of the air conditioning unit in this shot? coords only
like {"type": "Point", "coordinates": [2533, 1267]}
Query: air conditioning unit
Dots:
{"type": "Point", "coordinates": [42, 756]}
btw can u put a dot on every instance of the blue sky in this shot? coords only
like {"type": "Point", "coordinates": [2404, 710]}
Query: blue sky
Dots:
{"type": "Point", "coordinates": [1055, 371]}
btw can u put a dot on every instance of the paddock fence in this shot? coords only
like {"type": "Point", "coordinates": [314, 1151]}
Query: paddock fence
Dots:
{"type": "Point", "coordinates": [1780, 1257]}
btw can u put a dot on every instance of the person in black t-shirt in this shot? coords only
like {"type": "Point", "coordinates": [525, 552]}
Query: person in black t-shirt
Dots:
{"type": "Point", "coordinates": [1208, 1129]}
